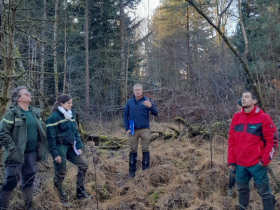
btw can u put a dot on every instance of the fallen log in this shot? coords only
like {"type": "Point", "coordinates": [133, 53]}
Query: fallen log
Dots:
{"type": "Point", "coordinates": [191, 131]}
{"type": "Point", "coordinates": [177, 132]}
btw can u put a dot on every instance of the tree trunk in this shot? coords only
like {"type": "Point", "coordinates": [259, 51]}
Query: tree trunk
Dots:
{"type": "Point", "coordinates": [189, 59]}
{"type": "Point", "coordinates": [87, 59]}
{"type": "Point", "coordinates": [241, 60]}
{"type": "Point", "coordinates": [42, 76]}
{"type": "Point", "coordinates": [0, 34]}
{"type": "Point", "coordinates": [126, 71]}
{"type": "Point", "coordinates": [3, 59]}
{"type": "Point", "coordinates": [65, 33]}
{"type": "Point", "coordinates": [54, 49]}
{"type": "Point", "coordinates": [244, 33]}
{"type": "Point", "coordinates": [9, 59]}
{"type": "Point", "coordinates": [122, 58]}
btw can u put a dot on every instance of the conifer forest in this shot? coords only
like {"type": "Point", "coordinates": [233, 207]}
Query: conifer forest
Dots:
{"type": "Point", "coordinates": [194, 59]}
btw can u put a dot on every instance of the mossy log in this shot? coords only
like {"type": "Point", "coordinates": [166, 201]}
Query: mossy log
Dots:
{"type": "Point", "coordinates": [180, 120]}
{"type": "Point", "coordinates": [104, 142]}
{"type": "Point", "coordinates": [191, 130]}
{"type": "Point", "coordinates": [107, 142]}
{"type": "Point", "coordinates": [177, 132]}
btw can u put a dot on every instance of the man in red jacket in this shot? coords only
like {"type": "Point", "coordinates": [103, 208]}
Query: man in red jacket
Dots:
{"type": "Point", "coordinates": [252, 144]}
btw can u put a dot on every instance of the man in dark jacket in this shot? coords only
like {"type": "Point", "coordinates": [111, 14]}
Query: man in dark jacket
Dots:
{"type": "Point", "coordinates": [23, 139]}
{"type": "Point", "coordinates": [231, 172]}
{"type": "Point", "coordinates": [252, 144]}
{"type": "Point", "coordinates": [136, 123]}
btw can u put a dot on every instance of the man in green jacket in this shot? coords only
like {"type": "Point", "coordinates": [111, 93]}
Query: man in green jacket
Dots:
{"type": "Point", "coordinates": [23, 140]}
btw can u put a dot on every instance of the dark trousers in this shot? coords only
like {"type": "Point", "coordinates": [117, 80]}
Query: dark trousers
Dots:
{"type": "Point", "coordinates": [27, 171]}
{"type": "Point", "coordinates": [67, 152]}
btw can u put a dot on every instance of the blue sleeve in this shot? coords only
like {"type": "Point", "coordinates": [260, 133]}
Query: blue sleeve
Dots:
{"type": "Point", "coordinates": [125, 117]}
{"type": "Point", "coordinates": [153, 109]}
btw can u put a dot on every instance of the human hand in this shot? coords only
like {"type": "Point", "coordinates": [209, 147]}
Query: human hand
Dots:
{"type": "Point", "coordinates": [261, 163]}
{"type": "Point", "coordinates": [128, 132]}
{"type": "Point", "coordinates": [231, 168]}
{"type": "Point", "coordinates": [147, 103]}
{"type": "Point", "coordinates": [80, 151]}
{"type": "Point", "coordinates": [58, 159]}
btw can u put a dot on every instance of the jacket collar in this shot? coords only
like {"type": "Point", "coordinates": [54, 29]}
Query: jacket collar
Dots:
{"type": "Point", "coordinates": [256, 110]}
{"type": "Point", "coordinates": [142, 98]}
{"type": "Point", "coordinates": [18, 112]}
{"type": "Point", "coordinates": [73, 112]}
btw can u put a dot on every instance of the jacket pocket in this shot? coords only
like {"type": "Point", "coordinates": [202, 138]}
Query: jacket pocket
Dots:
{"type": "Point", "coordinates": [239, 128]}
{"type": "Point", "coordinates": [13, 156]}
{"type": "Point", "coordinates": [254, 129]}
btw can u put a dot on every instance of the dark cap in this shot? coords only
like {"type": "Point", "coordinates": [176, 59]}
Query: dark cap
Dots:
{"type": "Point", "coordinates": [239, 102]}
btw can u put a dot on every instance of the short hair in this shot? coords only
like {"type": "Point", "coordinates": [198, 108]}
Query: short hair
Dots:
{"type": "Point", "coordinates": [16, 95]}
{"type": "Point", "coordinates": [252, 94]}
{"type": "Point", "coordinates": [138, 85]}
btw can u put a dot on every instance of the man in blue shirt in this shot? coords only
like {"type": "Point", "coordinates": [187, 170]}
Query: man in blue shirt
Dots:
{"type": "Point", "coordinates": [137, 111]}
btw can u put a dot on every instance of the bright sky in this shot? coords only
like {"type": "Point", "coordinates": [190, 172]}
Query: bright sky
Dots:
{"type": "Point", "coordinates": [146, 8]}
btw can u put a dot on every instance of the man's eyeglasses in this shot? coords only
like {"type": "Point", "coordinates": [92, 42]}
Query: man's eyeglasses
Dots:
{"type": "Point", "coordinates": [27, 94]}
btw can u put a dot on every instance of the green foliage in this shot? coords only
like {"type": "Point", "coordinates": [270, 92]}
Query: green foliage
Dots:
{"type": "Point", "coordinates": [154, 197]}
{"type": "Point", "coordinates": [221, 128]}
{"type": "Point", "coordinates": [262, 27]}
{"type": "Point", "coordinates": [177, 163]}
{"type": "Point", "coordinates": [104, 193]}
{"type": "Point", "coordinates": [103, 138]}
{"type": "Point", "coordinates": [91, 185]}
{"type": "Point", "coordinates": [81, 132]}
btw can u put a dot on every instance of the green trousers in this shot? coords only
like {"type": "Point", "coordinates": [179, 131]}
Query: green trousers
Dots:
{"type": "Point", "coordinates": [244, 175]}
{"type": "Point", "coordinates": [66, 152]}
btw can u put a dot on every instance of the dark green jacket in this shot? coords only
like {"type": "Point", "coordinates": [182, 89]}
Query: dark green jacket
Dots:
{"type": "Point", "coordinates": [13, 136]}
{"type": "Point", "coordinates": [61, 131]}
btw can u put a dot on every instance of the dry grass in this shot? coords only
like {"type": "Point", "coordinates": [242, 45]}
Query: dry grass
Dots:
{"type": "Point", "coordinates": [180, 177]}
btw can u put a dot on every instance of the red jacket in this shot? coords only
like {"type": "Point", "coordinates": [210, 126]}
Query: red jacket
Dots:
{"type": "Point", "coordinates": [252, 137]}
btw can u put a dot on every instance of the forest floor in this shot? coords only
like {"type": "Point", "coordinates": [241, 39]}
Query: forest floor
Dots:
{"type": "Point", "coordinates": [180, 177]}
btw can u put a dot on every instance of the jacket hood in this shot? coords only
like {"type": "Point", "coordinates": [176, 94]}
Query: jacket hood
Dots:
{"type": "Point", "coordinates": [256, 110]}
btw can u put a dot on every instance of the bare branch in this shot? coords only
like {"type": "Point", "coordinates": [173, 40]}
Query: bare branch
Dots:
{"type": "Point", "coordinates": [225, 10]}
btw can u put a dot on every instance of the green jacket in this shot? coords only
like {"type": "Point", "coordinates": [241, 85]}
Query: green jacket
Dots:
{"type": "Point", "coordinates": [61, 131]}
{"type": "Point", "coordinates": [13, 136]}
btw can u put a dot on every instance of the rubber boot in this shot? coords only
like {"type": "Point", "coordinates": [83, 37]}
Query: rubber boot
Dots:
{"type": "Point", "coordinates": [81, 193]}
{"type": "Point", "coordinates": [269, 204]}
{"type": "Point", "coordinates": [243, 200]}
{"type": "Point", "coordinates": [28, 205]}
{"type": "Point", "coordinates": [132, 164]}
{"type": "Point", "coordinates": [145, 160]}
{"type": "Point", "coordinates": [58, 188]}
{"type": "Point", "coordinates": [5, 199]}
{"type": "Point", "coordinates": [27, 194]}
